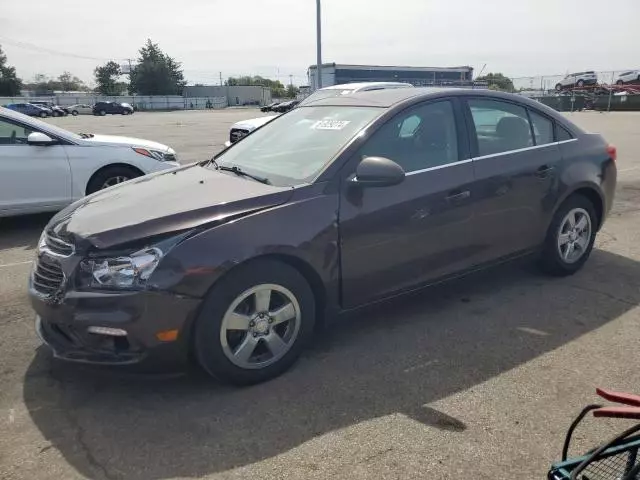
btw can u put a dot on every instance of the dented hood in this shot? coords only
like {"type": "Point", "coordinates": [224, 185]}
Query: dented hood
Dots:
{"type": "Point", "coordinates": [163, 202]}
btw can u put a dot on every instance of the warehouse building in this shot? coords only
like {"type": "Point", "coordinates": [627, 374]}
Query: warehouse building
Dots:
{"type": "Point", "coordinates": [336, 74]}
{"type": "Point", "coordinates": [236, 95]}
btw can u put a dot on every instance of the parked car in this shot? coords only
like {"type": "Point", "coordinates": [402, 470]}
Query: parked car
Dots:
{"type": "Point", "coordinates": [30, 109]}
{"type": "Point", "coordinates": [340, 203]}
{"type": "Point", "coordinates": [45, 168]}
{"type": "Point", "coordinates": [268, 108]}
{"type": "Point", "coordinates": [103, 108]}
{"type": "Point", "coordinates": [56, 110]}
{"type": "Point", "coordinates": [286, 106]}
{"type": "Point", "coordinates": [579, 80]}
{"type": "Point", "coordinates": [245, 127]}
{"type": "Point", "coordinates": [630, 76]}
{"type": "Point", "coordinates": [81, 109]}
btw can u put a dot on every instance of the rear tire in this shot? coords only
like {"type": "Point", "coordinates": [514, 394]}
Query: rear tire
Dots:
{"type": "Point", "coordinates": [102, 113]}
{"type": "Point", "coordinates": [273, 345]}
{"type": "Point", "coordinates": [580, 83]}
{"type": "Point", "coordinates": [74, 113]}
{"type": "Point", "coordinates": [565, 249]}
{"type": "Point", "coordinates": [111, 176]}
{"type": "Point", "coordinates": [43, 115]}
{"type": "Point", "coordinates": [558, 87]}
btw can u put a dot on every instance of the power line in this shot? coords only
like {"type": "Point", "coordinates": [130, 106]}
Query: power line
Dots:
{"type": "Point", "coordinates": [37, 48]}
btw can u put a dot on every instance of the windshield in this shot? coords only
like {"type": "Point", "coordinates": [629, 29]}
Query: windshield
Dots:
{"type": "Point", "coordinates": [293, 148]}
{"type": "Point", "coordinates": [45, 127]}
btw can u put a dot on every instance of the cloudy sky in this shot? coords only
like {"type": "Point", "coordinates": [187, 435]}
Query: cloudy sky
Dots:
{"type": "Point", "coordinates": [277, 37]}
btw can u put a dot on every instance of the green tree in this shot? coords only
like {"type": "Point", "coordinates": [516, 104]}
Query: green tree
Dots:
{"type": "Point", "coordinates": [292, 91]}
{"type": "Point", "coordinates": [497, 81]}
{"type": "Point", "coordinates": [107, 78]}
{"type": "Point", "coordinates": [70, 83]}
{"type": "Point", "coordinates": [278, 90]}
{"type": "Point", "coordinates": [10, 84]}
{"type": "Point", "coordinates": [156, 73]}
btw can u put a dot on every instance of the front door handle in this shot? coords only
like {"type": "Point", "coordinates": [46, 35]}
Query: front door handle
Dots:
{"type": "Point", "coordinates": [457, 196]}
{"type": "Point", "coordinates": [544, 171]}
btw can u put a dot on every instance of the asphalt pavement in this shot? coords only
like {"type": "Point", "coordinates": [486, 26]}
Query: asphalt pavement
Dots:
{"type": "Point", "coordinates": [475, 379]}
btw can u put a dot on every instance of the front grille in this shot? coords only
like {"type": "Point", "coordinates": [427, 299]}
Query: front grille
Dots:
{"type": "Point", "coordinates": [57, 246]}
{"type": "Point", "coordinates": [236, 134]}
{"type": "Point", "coordinates": [47, 276]}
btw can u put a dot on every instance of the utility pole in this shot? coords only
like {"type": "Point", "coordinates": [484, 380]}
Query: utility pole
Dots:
{"type": "Point", "coordinates": [133, 97]}
{"type": "Point", "coordinates": [318, 45]}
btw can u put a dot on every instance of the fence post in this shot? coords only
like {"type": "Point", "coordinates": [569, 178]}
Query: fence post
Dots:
{"type": "Point", "coordinates": [610, 91]}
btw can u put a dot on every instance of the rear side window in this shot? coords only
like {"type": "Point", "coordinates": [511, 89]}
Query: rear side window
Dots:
{"type": "Point", "coordinates": [500, 126]}
{"type": "Point", "coordinates": [562, 133]}
{"type": "Point", "coordinates": [542, 128]}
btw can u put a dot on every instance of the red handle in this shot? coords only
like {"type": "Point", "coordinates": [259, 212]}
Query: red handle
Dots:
{"type": "Point", "coordinates": [618, 412]}
{"type": "Point", "coordinates": [618, 397]}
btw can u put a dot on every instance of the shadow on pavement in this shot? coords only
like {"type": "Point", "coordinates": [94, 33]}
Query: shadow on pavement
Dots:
{"type": "Point", "coordinates": [395, 358]}
{"type": "Point", "coordinates": [23, 231]}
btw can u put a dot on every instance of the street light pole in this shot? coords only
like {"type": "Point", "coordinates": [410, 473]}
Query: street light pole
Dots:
{"type": "Point", "coordinates": [318, 45]}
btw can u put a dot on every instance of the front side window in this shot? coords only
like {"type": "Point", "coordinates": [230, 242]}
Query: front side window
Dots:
{"type": "Point", "coordinates": [294, 148]}
{"type": "Point", "coordinates": [424, 137]}
{"type": "Point", "coordinates": [542, 128]}
{"type": "Point", "coordinates": [500, 126]}
{"type": "Point", "coordinates": [12, 133]}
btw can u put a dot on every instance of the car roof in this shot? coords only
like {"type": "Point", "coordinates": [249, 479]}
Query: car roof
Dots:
{"type": "Point", "coordinates": [391, 97]}
{"type": "Point", "coordinates": [367, 85]}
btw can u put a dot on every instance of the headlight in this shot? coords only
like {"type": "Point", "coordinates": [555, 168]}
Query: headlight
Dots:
{"type": "Point", "coordinates": [128, 272]}
{"type": "Point", "coordinates": [155, 154]}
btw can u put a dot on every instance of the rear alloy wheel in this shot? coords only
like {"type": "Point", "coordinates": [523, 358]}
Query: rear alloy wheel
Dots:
{"type": "Point", "coordinates": [254, 323]}
{"type": "Point", "coordinates": [558, 87]}
{"type": "Point", "coordinates": [109, 177]}
{"type": "Point", "coordinates": [74, 113]}
{"type": "Point", "coordinates": [570, 237]}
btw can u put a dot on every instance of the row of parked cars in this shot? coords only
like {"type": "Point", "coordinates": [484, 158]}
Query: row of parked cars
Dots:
{"type": "Point", "coordinates": [49, 109]}
{"type": "Point", "coordinates": [582, 79]}
{"type": "Point", "coordinates": [280, 107]}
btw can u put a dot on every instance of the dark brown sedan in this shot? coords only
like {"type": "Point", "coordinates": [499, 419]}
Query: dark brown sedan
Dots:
{"type": "Point", "coordinates": [335, 205]}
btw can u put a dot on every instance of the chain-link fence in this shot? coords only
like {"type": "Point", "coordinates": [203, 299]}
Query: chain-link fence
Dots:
{"type": "Point", "coordinates": [589, 89]}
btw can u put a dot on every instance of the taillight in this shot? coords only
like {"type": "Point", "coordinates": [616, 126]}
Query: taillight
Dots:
{"type": "Point", "coordinates": [612, 152]}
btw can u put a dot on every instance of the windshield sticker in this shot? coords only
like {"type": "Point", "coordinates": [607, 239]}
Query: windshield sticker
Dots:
{"type": "Point", "coordinates": [330, 124]}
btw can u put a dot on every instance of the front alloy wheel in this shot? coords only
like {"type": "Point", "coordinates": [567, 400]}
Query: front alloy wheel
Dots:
{"type": "Point", "coordinates": [111, 181]}
{"type": "Point", "coordinates": [260, 326]}
{"type": "Point", "coordinates": [254, 323]}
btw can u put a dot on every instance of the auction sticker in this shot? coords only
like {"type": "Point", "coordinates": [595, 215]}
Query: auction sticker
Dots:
{"type": "Point", "coordinates": [330, 124]}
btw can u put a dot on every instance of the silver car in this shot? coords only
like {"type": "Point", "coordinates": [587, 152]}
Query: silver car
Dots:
{"type": "Point", "coordinates": [630, 76]}
{"type": "Point", "coordinates": [579, 80]}
{"type": "Point", "coordinates": [81, 109]}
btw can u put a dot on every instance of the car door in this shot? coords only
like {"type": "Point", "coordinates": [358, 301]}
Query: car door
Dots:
{"type": "Point", "coordinates": [32, 178]}
{"type": "Point", "coordinates": [396, 237]}
{"type": "Point", "coordinates": [515, 162]}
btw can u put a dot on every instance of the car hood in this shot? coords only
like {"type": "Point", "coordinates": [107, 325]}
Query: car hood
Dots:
{"type": "Point", "coordinates": [164, 202]}
{"type": "Point", "coordinates": [254, 123]}
{"type": "Point", "coordinates": [116, 141]}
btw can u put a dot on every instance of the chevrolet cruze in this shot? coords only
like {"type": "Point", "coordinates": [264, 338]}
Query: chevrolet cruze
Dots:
{"type": "Point", "coordinates": [337, 204]}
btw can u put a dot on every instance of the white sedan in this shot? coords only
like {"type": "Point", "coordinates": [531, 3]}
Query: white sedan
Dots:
{"type": "Point", "coordinates": [81, 109]}
{"type": "Point", "coordinates": [44, 168]}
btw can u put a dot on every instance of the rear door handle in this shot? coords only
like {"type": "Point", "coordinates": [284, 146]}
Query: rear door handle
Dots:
{"type": "Point", "coordinates": [458, 196]}
{"type": "Point", "coordinates": [544, 171]}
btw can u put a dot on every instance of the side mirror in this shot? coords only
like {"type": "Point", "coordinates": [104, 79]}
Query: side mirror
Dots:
{"type": "Point", "coordinates": [378, 172]}
{"type": "Point", "coordinates": [40, 139]}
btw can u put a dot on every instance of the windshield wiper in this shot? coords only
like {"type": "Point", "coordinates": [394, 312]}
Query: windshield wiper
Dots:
{"type": "Point", "coordinates": [86, 135]}
{"type": "Point", "coordinates": [238, 171]}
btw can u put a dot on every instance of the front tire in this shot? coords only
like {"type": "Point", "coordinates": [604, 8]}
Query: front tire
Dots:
{"type": "Point", "coordinates": [74, 113]}
{"type": "Point", "coordinates": [109, 177]}
{"type": "Point", "coordinates": [558, 87]}
{"type": "Point", "coordinates": [570, 237]}
{"type": "Point", "coordinates": [580, 83]}
{"type": "Point", "coordinates": [43, 115]}
{"type": "Point", "coordinates": [255, 323]}
{"type": "Point", "coordinates": [102, 113]}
